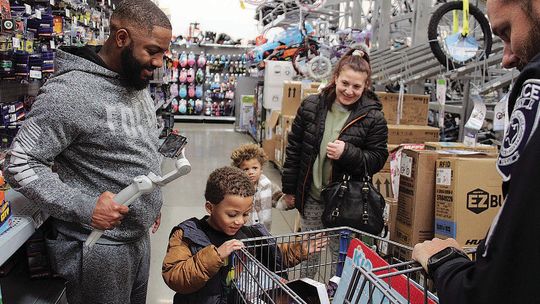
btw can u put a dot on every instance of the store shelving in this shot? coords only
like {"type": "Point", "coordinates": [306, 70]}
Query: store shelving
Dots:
{"type": "Point", "coordinates": [26, 219]}
{"type": "Point", "coordinates": [205, 118]}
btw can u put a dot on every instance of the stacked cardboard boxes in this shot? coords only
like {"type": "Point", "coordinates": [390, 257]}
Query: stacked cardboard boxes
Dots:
{"type": "Point", "coordinates": [415, 108]}
{"type": "Point", "coordinates": [416, 208]}
{"type": "Point", "coordinates": [468, 195]}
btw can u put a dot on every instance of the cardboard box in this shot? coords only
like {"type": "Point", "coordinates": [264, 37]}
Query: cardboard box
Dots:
{"type": "Point", "coordinates": [286, 123]}
{"type": "Point", "coordinates": [468, 195]}
{"type": "Point", "coordinates": [399, 134]}
{"type": "Point", "coordinates": [307, 92]}
{"type": "Point", "coordinates": [416, 208]}
{"type": "Point", "coordinates": [460, 146]}
{"type": "Point", "coordinates": [390, 212]}
{"type": "Point", "coordinates": [386, 167]}
{"type": "Point", "coordinates": [6, 215]}
{"type": "Point", "coordinates": [269, 147]}
{"type": "Point", "coordinates": [273, 128]}
{"type": "Point", "coordinates": [292, 97]}
{"type": "Point", "coordinates": [415, 108]}
{"type": "Point", "coordinates": [383, 183]}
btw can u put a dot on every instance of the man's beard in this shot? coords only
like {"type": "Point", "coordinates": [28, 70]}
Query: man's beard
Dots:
{"type": "Point", "coordinates": [131, 70]}
{"type": "Point", "coordinates": [531, 46]}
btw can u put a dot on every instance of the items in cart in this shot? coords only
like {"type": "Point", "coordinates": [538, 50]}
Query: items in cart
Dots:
{"type": "Point", "coordinates": [365, 276]}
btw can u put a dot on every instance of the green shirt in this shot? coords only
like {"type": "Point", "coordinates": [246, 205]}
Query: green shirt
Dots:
{"type": "Point", "coordinates": [322, 168]}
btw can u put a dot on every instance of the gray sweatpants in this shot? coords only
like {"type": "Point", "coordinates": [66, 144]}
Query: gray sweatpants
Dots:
{"type": "Point", "coordinates": [311, 220]}
{"type": "Point", "coordinates": [114, 274]}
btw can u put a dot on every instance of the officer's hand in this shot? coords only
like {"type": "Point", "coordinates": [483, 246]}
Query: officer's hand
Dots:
{"type": "Point", "coordinates": [423, 251]}
{"type": "Point", "coordinates": [108, 214]}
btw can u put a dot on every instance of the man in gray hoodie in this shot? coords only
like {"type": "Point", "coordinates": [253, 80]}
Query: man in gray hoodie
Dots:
{"type": "Point", "coordinates": [95, 121]}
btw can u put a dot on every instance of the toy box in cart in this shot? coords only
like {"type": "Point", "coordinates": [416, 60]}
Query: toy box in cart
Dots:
{"type": "Point", "coordinates": [365, 276]}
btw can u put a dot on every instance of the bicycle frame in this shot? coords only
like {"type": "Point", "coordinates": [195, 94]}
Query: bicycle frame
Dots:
{"type": "Point", "coordinates": [455, 28]}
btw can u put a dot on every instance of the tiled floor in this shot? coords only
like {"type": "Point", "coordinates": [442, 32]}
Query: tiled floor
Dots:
{"type": "Point", "coordinates": [209, 147]}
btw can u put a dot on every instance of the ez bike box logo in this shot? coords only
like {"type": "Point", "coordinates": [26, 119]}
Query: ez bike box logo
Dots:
{"type": "Point", "coordinates": [479, 201]}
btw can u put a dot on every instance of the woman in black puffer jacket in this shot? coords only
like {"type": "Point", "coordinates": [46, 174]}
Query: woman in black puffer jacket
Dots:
{"type": "Point", "coordinates": [332, 133]}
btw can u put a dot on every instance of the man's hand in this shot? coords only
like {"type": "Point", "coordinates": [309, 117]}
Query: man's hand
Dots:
{"type": "Point", "coordinates": [156, 224]}
{"type": "Point", "coordinates": [335, 149]}
{"type": "Point", "coordinates": [423, 251]}
{"type": "Point", "coordinates": [107, 213]}
{"type": "Point", "coordinates": [228, 247]}
{"type": "Point", "coordinates": [289, 200]}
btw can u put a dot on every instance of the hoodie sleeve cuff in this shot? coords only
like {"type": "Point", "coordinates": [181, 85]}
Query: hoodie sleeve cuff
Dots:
{"type": "Point", "coordinates": [86, 208]}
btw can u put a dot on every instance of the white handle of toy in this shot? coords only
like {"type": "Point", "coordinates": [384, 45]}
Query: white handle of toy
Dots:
{"type": "Point", "coordinates": [141, 184]}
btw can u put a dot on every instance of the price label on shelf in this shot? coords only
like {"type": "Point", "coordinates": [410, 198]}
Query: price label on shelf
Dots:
{"type": "Point", "coordinates": [38, 13]}
{"type": "Point", "coordinates": [16, 43]}
{"type": "Point", "coordinates": [35, 74]}
{"type": "Point", "coordinates": [68, 13]}
{"type": "Point", "coordinates": [28, 9]}
{"type": "Point", "coordinates": [53, 45]}
{"type": "Point", "coordinates": [51, 2]}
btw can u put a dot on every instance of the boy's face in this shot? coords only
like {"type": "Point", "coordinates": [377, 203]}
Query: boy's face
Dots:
{"type": "Point", "coordinates": [230, 214]}
{"type": "Point", "coordinates": [253, 169]}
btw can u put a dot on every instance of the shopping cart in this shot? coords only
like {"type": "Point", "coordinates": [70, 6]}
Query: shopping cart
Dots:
{"type": "Point", "coordinates": [267, 270]}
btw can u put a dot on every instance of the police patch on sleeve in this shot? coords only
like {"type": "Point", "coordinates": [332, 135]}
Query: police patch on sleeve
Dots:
{"type": "Point", "coordinates": [521, 127]}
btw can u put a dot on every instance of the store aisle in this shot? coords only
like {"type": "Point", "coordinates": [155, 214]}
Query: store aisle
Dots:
{"type": "Point", "coordinates": [209, 147]}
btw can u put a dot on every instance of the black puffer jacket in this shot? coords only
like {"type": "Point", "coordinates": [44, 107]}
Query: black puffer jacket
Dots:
{"type": "Point", "coordinates": [365, 135]}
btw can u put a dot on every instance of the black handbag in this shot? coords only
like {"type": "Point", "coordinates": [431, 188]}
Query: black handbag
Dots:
{"type": "Point", "coordinates": [353, 203]}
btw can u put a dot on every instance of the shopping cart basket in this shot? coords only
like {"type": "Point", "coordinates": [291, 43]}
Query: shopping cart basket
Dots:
{"type": "Point", "coordinates": [266, 267]}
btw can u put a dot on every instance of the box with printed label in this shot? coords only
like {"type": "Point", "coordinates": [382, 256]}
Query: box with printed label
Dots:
{"type": "Point", "coordinates": [401, 134]}
{"type": "Point", "coordinates": [460, 146]}
{"type": "Point", "coordinates": [415, 108]}
{"type": "Point", "coordinates": [468, 195]}
{"type": "Point", "coordinates": [5, 214]}
{"type": "Point", "coordinates": [292, 97]}
{"type": "Point", "coordinates": [415, 214]}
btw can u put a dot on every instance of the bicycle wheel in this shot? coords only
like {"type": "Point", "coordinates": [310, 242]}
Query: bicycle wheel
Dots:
{"type": "Point", "coordinates": [301, 58]}
{"type": "Point", "coordinates": [454, 50]}
{"type": "Point", "coordinates": [319, 67]}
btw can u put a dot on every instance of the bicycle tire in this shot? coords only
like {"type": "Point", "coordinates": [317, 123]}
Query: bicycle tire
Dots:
{"type": "Point", "coordinates": [433, 34]}
{"type": "Point", "coordinates": [301, 54]}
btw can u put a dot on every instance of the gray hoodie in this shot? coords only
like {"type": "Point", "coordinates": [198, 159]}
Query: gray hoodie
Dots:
{"type": "Point", "coordinates": [99, 135]}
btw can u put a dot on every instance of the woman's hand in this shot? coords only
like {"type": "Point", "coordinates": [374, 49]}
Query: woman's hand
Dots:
{"type": "Point", "coordinates": [315, 243]}
{"type": "Point", "coordinates": [289, 200]}
{"type": "Point", "coordinates": [335, 149]}
{"type": "Point", "coordinates": [228, 247]}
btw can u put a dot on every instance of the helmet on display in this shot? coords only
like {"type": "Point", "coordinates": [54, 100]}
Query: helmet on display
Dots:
{"type": "Point", "coordinates": [201, 61]}
{"type": "Point", "coordinates": [183, 59]}
{"type": "Point", "coordinates": [191, 59]}
{"type": "Point", "coordinates": [183, 75]}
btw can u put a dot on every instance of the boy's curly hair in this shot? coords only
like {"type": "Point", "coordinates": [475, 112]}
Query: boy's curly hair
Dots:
{"type": "Point", "coordinates": [247, 152]}
{"type": "Point", "coordinates": [227, 180]}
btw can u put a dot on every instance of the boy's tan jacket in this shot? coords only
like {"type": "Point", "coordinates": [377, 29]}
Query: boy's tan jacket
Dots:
{"type": "Point", "coordinates": [186, 273]}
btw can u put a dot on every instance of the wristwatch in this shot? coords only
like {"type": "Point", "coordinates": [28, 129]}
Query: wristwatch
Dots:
{"type": "Point", "coordinates": [443, 256]}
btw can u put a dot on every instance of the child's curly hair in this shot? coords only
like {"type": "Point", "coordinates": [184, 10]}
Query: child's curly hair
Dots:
{"type": "Point", "coordinates": [247, 152]}
{"type": "Point", "coordinates": [227, 180]}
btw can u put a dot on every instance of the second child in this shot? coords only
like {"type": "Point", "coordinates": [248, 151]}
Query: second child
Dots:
{"type": "Point", "coordinates": [251, 158]}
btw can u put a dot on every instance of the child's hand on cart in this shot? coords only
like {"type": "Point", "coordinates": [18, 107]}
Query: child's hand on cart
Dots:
{"type": "Point", "coordinates": [228, 247]}
{"type": "Point", "coordinates": [314, 243]}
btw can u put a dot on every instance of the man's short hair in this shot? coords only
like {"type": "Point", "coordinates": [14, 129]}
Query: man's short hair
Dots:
{"type": "Point", "coordinates": [142, 14]}
{"type": "Point", "coordinates": [227, 181]}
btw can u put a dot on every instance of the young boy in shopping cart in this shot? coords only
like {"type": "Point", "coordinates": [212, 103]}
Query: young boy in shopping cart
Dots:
{"type": "Point", "coordinates": [196, 265]}
{"type": "Point", "coordinates": [251, 158]}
